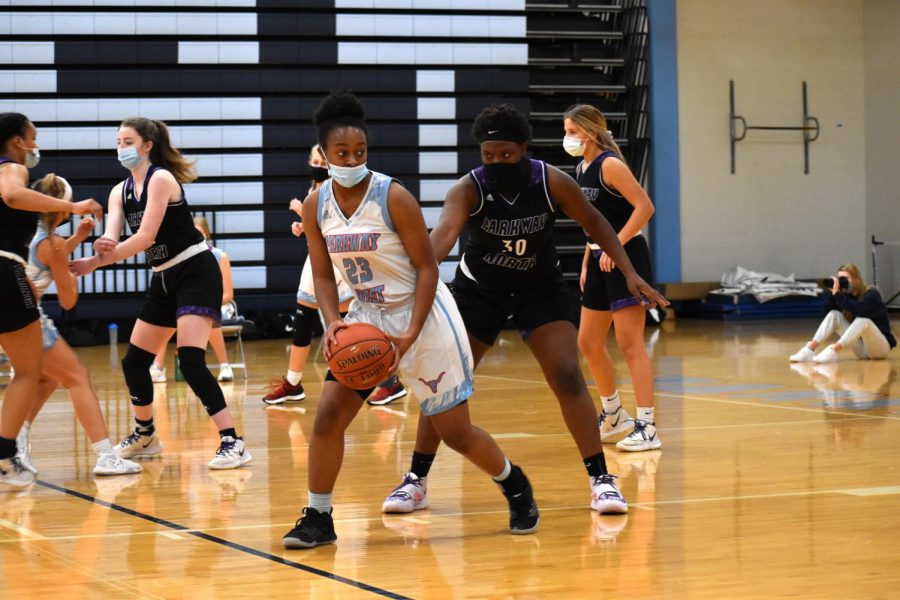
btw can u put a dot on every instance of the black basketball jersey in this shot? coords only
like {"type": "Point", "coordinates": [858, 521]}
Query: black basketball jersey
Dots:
{"type": "Point", "coordinates": [17, 227]}
{"type": "Point", "coordinates": [610, 203]}
{"type": "Point", "coordinates": [176, 232]}
{"type": "Point", "coordinates": [510, 240]}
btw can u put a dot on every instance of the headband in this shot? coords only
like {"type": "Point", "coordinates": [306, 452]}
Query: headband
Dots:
{"type": "Point", "coordinates": [502, 135]}
{"type": "Point", "coordinates": [67, 195]}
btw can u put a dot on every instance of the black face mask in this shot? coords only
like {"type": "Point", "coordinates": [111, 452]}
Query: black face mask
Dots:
{"type": "Point", "coordinates": [508, 178]}
{"type": "Point", "coordinates": [319, 174]}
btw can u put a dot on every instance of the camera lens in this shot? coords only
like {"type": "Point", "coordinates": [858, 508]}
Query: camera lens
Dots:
{"type": "Point", "coordinates": [843, 283]}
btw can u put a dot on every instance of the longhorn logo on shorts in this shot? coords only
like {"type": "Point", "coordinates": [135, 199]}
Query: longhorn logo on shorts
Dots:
{"type": "Point", "coordinates": [433, 384]}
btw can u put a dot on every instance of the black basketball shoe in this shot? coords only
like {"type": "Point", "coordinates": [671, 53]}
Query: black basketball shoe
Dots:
{"type": "Point", "coordinates": [523, 511]}
{"type": "Point", "coordinates": [313, 529]}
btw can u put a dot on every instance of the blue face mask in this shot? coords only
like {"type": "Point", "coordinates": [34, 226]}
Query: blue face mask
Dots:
{"type": "Point", "coordinates": [129, 157]}
{"type": "Point", "coordinates": [348, 176]}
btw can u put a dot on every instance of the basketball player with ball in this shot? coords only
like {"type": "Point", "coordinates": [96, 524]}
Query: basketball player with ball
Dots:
{"type": "Point", "coordinates": [373, 231]}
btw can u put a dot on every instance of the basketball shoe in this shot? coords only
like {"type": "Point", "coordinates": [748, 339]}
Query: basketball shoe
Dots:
{"type": "Point", "coordinates": [13, 474]}
{"type": "Point", "coordinates": [156, 374]}
{"type": "Point", "coordinates": [387, 392]}
{"type": "Point", "coordinates": [804, 354]}
{"type": "Point", "coordinates": [612, 424]}
{"type": "Point", "coordinates": [110, 464]}
{"type": "Point", "coordinates": [313, 529]}
{"type": "Point", "coordinates": [225, 373]}
{"type": "Point", "coordinates": [231, 454]}
{"type": "Point", "coordinates": [828, 355]}
{"type": "Point", "coordinates": [524, 516]}
{"type": "Point", "coordinates": [23, 451]}
{"type": "Point", "coordinates": [410, 495]}
{"type": "Point", "coordinates": [280, 393]}
{"type": "Point", "coordinates": [606, 498]}
{"type": "Point", "coordinates": [137, 445]}
{"type": "Point", "coordinates": [642, 438]}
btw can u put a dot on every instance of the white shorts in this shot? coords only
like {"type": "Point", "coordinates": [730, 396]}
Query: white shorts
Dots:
{"type": "Point", "coordinates": [306, 292]}
{"type": "Point", "coordinates": [438, 366]}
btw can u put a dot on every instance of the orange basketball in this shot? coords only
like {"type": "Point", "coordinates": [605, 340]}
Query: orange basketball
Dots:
{"type": "Point", "coordinates": [362, 356]}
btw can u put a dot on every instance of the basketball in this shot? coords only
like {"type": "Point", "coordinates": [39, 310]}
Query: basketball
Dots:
{"type": "Point", "coordinates": [362, 356]}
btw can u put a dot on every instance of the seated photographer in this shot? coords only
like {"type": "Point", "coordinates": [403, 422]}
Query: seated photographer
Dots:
{"type": "Point", "coordinates": [855, 313]}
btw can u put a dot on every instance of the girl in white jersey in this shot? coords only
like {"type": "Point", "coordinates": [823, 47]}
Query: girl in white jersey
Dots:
{"type": "Point", "coordinates": [48, 262]}
{"type": "Point", "coordinates": [305, 315]}
{"type": "Point", "coordinates": [372, 229]}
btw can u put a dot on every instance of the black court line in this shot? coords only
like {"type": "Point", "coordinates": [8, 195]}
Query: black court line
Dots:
{"type": "Point", "coordinates": [217, 540]}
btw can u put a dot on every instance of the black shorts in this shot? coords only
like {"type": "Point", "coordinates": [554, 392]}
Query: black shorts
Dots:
{"type": "Point", "coordinates": [485, 311]}
{"type": "Point", "coordinates": [608, 291]}
{"type": "Point", "coordinates": [192, 287]}
{"type": "Point", "coordinates": [18, 306]}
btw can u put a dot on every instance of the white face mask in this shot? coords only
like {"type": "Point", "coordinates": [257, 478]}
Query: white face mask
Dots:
{"type": "Point", "coordinates": [129, 157]}
{"type": "Point", "coordinates": [32, 157]}
{"type": "Point", "coordinates": [348, 176]}
{"type": "Point", "coordinates": [573, 145]}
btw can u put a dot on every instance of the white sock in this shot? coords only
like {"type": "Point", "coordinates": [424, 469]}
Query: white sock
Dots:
{"type": "Point", "coordinates": [646, 415]}
{"type": "Point", "coordinates": [319, 502]}
{"type": "Point", "coordinates": [104, 446]}
{"type": "Point", "coordinates": [507, 469]}
{"type": "Point", "coordinates": [611, 403]}
{"type": "Point", "coordinates": [294, 377]}
{"type": "Point", "coordinates": [223, 365]}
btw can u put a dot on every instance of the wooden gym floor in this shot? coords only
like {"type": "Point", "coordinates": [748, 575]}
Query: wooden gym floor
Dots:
{"type": "Point", "coordinates": [773, 481]}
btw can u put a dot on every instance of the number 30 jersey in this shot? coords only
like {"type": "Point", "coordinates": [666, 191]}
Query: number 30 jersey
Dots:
{"type": "Point", "coordinates": [510, 239]}
{"type": "Point", "coordinates": [365, 248]}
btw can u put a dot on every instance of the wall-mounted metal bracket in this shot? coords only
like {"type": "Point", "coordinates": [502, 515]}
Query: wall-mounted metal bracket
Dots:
{"type": "Point", "coordinates": [810, 128]}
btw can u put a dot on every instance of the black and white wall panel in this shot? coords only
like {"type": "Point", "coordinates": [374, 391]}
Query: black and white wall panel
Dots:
{"type": "Point", "coordinates": [237, 82]}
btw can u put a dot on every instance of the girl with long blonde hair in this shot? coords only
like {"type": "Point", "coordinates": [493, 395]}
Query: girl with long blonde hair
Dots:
{"type": "Point", "coordinates": [856, 314]}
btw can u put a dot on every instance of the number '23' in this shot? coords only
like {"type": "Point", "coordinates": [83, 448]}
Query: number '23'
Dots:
{"type": "Point", "coordinates": [358, 270]}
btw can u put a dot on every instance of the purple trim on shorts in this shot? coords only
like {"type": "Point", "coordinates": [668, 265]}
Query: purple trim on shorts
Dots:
{"type": "Point", "coordinates": [626, 302]}
{"type": "Point", "coordinates": [203, 311]}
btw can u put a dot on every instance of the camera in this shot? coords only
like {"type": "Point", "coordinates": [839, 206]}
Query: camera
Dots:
{"type": "Point", "coordinates": [843, 283]}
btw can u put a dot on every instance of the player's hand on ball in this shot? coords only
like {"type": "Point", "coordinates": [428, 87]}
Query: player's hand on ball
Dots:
{"type": "Point", "coordinates": [330, 339]}
{"type": "Point", "coordinates": [402, 343]}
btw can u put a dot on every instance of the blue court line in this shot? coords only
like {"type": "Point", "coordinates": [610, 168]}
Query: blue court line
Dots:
{"type": "Point", "coordinates": [233, 545]}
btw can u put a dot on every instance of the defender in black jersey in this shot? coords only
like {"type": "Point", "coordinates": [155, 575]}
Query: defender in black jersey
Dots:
{"type": "Point", "coordinates": [20, 328]}
{"type": "Point", "coordinates": [609, 185]}
{"type": "Point", "coordinates": [185, 291]}
{"type": "Point", "coordinates": [510, 267]}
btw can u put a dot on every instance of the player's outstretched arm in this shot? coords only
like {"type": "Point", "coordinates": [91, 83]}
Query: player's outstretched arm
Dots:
{"type": "Point", "coordinates": [458, 205]}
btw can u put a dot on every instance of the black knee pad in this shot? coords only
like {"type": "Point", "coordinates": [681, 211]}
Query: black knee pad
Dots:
{"type": "Point", "coordinates": [136, 367]}
{"type": "Point", "coordinates": [303, 325]}
{"type": "Point", "coordinates": [193, 367]}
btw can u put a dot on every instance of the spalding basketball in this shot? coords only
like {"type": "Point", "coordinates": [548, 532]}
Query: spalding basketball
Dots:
{"type": "Point", "coordinates": [361, 356]}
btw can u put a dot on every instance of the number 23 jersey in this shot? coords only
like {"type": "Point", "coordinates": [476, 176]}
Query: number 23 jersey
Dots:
{"type": "Point", "coordinates": [365, 248]}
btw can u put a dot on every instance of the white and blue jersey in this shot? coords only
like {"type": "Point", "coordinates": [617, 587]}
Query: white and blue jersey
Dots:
{"type": "Point", "coordinates": [371, 259]}
{"type": "Point", "coordinates": [41, 278]}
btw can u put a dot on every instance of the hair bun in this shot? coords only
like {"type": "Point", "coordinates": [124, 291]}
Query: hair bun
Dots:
{"type": "Point", "coordinates": [339, 105]}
